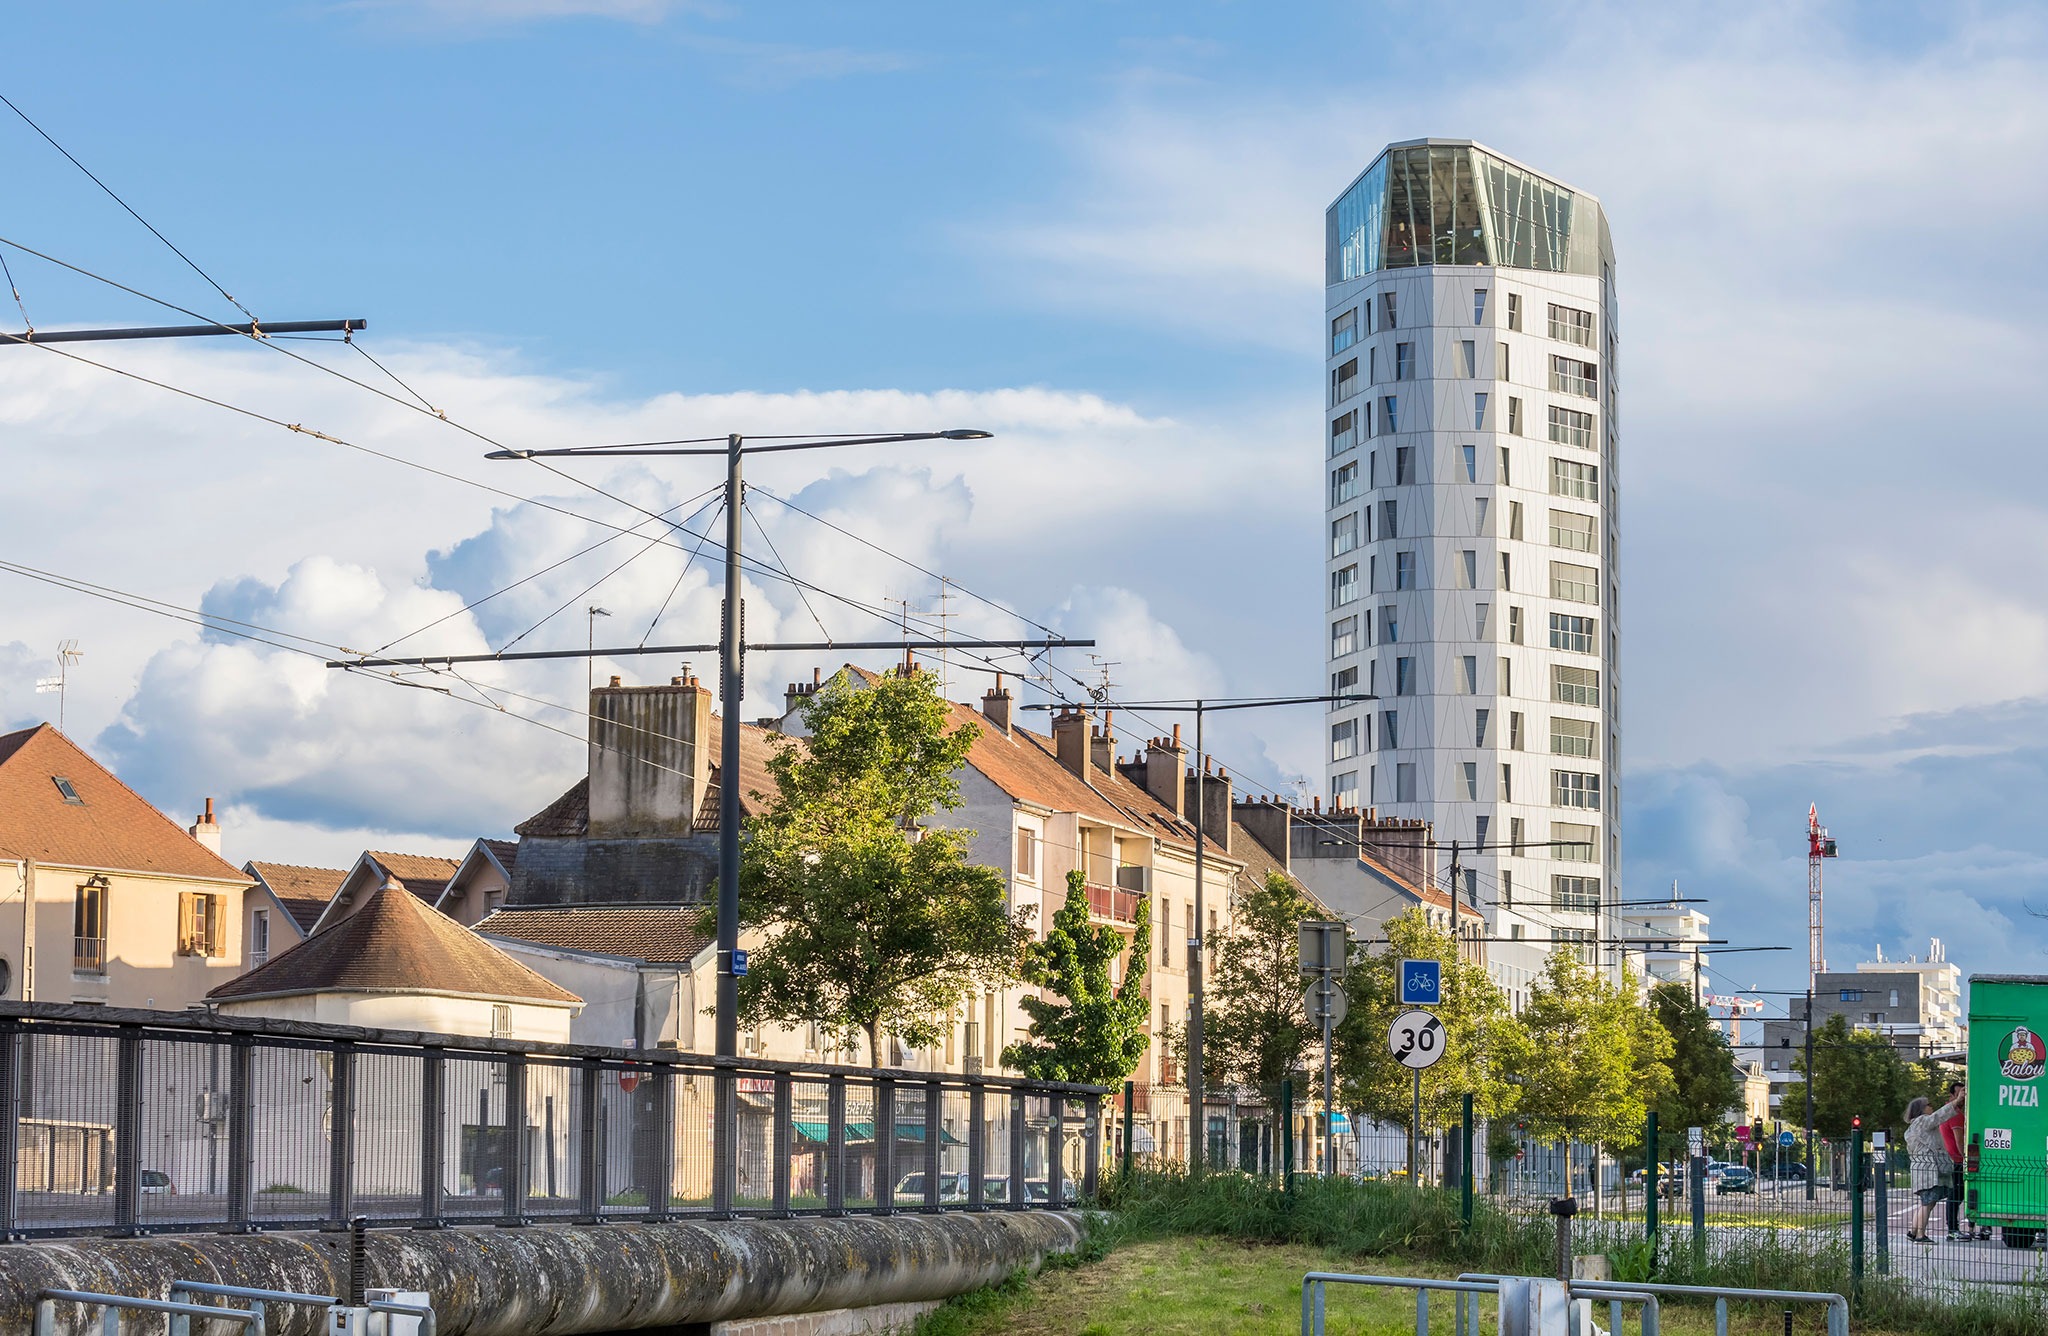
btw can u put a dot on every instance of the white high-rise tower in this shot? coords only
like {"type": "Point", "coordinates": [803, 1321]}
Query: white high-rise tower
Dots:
{"type": "Point", "coordinates": [1471, 449]}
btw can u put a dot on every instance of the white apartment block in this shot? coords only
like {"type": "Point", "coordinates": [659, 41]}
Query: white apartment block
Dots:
{"type": "Point", "coordinates": [1471, 442]}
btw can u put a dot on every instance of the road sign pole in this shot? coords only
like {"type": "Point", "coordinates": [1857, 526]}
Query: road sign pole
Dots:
{"type": "Point", "coordinates": [1329, 1105]}
{"type": "Point", "coordinates": [1465, 1168]}
{"type": "Point", "coordinates": [1415, 1135]}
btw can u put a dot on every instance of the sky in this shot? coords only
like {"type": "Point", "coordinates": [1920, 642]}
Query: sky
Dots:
{"type": "Point", "coordinates": [1094, 230]}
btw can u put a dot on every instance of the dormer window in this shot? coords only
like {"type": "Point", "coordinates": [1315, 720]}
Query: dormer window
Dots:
{"type": "Point", "coordinates": [64, 787]}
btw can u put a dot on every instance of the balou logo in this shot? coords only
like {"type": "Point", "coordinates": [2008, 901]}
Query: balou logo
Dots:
{"type": "Point", "coordinates": [2022, 1055]}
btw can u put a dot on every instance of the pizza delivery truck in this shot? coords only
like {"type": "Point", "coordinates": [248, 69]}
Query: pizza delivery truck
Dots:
{"type": "Point", "coordinates": [2007, 1164]}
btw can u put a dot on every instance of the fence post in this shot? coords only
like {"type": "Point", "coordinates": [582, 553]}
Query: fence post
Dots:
{"type": "Point", "coordinates": [589, 1168]}
{"type": "Point", "coordinates": [1091, 1141]}
{"type": "Point", "coordinates": [1465, 1169]}
{"type": "Point", "coordinates": [1881, 1172]}
{"type": "Point", "coordinates": [1287, 1131]}
{"type": "Point", "coordinates": [1856, 1215]}
{"type": "Point", "coordinates": [659, 1191]}
{"type": "Point", "coordinates": [1130, 1108]}
{"type": "Point", "coordinates": [724, 1151]}
{"type": "Point", "coordinates": [127, 1128]}
{"type": "Point", "coordinates": [241, 1131]}
{"type": "Point", "coordinates": [977, 1144]}
{"type": "Point", "coordinates": [1017, 1108]}
{"type": "Point", "coordinates": [835, 1144]}
{"type": "Point", "coordinates": [785, 1111]}
{"type": "Point", "coordinates": [933, 1130]}
{"type": "Point", "coordinates": [341, 1123]}
{"type": "Point", "coordinates": [1649, 1182]}
{"type": "Point", "coordinates": [10, 1124]}
{"type": "Point", "coordinates": [515, 1139]}
{"type": "Point", "coordinates": [433, 1135]}
{"type": "Point", "coordinates": [1055, 1153]}
{"type": "Point", "coordinates": [885, 1145]}
{"type": "Point", "coordinates": [1696, 1185]}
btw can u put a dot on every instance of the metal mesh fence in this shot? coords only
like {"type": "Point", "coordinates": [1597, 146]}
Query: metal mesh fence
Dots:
{"type": "Point", "coordinates": [146, 1122]}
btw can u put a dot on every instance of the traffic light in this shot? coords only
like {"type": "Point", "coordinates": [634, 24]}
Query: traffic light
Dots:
{"type": "Point", "coordinates": [1856, 1123]}
{"type": "Point", "coordinates": [1756, 1133]}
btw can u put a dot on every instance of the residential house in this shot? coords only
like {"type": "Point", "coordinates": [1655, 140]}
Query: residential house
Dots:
{"type": "Point", "coordinates": [481, 883]}
{"type": "Point", "coordinates": [104, 900]}
{"type": "Point", "coordinates": [424, 876]}
{"type": "Point", "coordinates": [283, 904]}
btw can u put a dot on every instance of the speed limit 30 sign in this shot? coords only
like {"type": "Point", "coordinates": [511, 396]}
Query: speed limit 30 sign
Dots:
{"type": "Point", "coordinates": [1416, 1039]}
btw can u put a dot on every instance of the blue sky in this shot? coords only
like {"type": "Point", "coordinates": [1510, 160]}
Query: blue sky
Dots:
{"type": "Point", "coordinates": [1095, 229]}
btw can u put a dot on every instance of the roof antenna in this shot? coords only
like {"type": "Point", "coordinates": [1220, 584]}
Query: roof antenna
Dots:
{"type": "Point", "coordinates": [68, 653]}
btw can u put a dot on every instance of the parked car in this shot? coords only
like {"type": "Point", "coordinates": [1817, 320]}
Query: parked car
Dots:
{"type": "Point", "coordinates": [952, 1188]}
{"type": "Point", "coordinates": [157, 1183]}
{"type": "Point", "coordinates": [1735, 1178]}
{"type": "Point", "coordinates": [1788, 1171]}
{"type": "Point", "coordinates": [995, 1189]}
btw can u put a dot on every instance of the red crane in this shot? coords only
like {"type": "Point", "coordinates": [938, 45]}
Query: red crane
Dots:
{"type": "Point", "coordinates": [1818, 846]}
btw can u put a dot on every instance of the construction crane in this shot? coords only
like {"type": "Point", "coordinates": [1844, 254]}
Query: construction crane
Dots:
{"type": "Point", "coordinates": [1818, 846]}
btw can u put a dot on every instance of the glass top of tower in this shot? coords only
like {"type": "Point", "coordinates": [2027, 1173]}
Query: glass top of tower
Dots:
{"type": "Point", "coordinates": [1449, 203]}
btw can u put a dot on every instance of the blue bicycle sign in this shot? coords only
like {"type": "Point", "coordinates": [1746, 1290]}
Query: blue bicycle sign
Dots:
{"type": "Point", "coordinates": [1422, 983]}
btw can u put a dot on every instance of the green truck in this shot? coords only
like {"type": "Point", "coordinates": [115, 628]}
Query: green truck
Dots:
{"type": "Point", "coordinates": [2007, 1163]}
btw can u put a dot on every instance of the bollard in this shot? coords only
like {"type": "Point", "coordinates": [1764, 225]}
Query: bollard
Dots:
{"type": "Point", "coordinates": [1696, 1171]}
{"type": "Point", "coordinates": [1130, 1101]}
{"type": "Point", "coordinates": [1650, 1183]}
{"type": "Point", "coordinates": [1287, 1132]}
{"type": "Point", "coordinates": [1564, 1208]}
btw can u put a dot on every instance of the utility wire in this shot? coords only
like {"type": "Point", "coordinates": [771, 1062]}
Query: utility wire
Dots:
{"type": "Point", "coordinates": [26, 323]}
{"type": "Point", "coordinates": [125, 205]}
{"type": "Point", "coordinates": [762, 529]}
{"type": "Point", "coordinates": [684, 573]}
{"type": "Point", "coordinates": [653, 543]}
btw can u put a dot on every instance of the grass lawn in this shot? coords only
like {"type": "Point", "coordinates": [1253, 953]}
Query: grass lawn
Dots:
{"type": "Point", "coordinates": [1219, 1287]}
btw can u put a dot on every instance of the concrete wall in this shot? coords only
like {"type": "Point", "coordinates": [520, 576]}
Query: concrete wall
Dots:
{"type": "Point", "coordinates": [557, 1280]}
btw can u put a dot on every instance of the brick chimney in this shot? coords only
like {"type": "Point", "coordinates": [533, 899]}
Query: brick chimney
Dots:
{"type": "Point", "coordinates": [795, 694]}
{"type": "Point", "coordinates": [1208, 802]}
{"type": "Point", "coordinates": [1165, 762]}
{"type": "Point", "coordinates": [1399, 844]}
{"type": "Point", "coordinates": [206, 830]}
{"type": "Point", "coordinates": [995, 707]}
{"type": "Point", "coordinates": [1070, 741]}
{"type": "Point", "coordinates": [1102, 744]}
{"type": "Point", "coordinates": [651, 751]}
{"type": "Point", "coordinates": [1271, 823]}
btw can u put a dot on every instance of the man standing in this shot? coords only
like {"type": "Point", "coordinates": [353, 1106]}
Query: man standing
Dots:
{"type": "Point", "coordinates": [1954, 1136]}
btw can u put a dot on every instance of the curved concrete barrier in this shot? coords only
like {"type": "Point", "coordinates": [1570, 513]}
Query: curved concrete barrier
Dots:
{"type": "Point", "coordinates": [555, 1280]}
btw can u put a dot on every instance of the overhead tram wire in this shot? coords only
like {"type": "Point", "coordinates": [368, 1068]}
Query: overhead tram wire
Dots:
{"type": "Point", "coordinates": [585, 592]}
{"type": "Point", "coordinates": [762, 530]}
{"type": "Point", "coordinates": [435, 414]}
{"type": "Point", "coordinates": [684, 573]}
{"type": "Point", "coordinates": [193, 264]}
{"type": "Point", "coordinates": [535, 575]}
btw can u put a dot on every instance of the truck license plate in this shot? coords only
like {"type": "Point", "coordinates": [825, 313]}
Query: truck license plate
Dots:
{"type": "Point", "coordinates": [1997, 1138]}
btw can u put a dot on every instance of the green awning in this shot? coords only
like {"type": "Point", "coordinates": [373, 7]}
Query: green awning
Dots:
{"type": "Point", "coordinates": [865, 1132]}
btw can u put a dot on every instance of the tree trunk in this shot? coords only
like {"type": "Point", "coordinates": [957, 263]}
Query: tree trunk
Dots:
{"type": "Point", "coordinates": [874, 1029]}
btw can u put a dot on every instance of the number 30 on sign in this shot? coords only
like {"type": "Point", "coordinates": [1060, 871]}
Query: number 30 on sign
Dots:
{"type": "Point", "coordinates": [1416, 1039]}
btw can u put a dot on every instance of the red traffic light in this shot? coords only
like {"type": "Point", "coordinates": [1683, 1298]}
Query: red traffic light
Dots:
{"type": "Point", "coordinates": [1856, 1123]}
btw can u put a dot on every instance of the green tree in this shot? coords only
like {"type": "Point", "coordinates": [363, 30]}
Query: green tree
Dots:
{"type": "Point", "coordinates": [1482, 1042]}
{"type": "Point", "coordinates": [1596, 1057]}
{"type": "Point", "coordinates": [1704, 1087]}
{"type": "Point", "coordinates": [870, 923]}
{"type": "Point", "coordinates": [1088, 1030]}
{"type": "Point", "coordinates": [1855, 1074]}
{"type": "Point", "coordinates": [1255, 1030]}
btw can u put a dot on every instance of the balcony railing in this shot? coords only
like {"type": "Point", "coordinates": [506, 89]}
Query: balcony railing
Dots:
{"type": "Point", "coordinates": [89, 954]}
{"type": "Point", "coordinates": [1114, 903]}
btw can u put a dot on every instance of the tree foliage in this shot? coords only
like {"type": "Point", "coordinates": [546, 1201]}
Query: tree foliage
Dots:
{"type": "Point", "coordinates": [1255, 1029]}
{"type": "Point", "coordinates": [1855, 1073]}
{"type": "Point", "coordinates": [1704, 1087]}
{"type": "Point", "coordinates": [1088, 1030]}
{"type": "Point", "coordinates": [870, 923]}
{"type": "Point", "coordinates": [1482, 1042]}
{"type": "Point", "coordinates": [1595, 1061]}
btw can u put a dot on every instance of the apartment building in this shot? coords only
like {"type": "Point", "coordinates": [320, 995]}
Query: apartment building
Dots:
{"type": "Point", "coordinates": [1471, 445]}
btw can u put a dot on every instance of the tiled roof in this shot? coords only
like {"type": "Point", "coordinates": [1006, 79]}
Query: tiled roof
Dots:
{"type": "Point", "coordinates": [1259, 863]}
{"type": "Point", "coordinates": [567, 817]}
{"type": "Point", "coordinates": [395, 944]}
{"type": "Point", "coordinates": [505, 851]}
{"type": "Point", "coordinates": [111, 826]}
{"type": "Point", "coordinates": [425, 875]}
{"type": "Point", "coordinates": [1026, 766]}
{"type": "Point", "coordinates": [658, 934]}
{"type": "Point", "coordinates": [303, 891]}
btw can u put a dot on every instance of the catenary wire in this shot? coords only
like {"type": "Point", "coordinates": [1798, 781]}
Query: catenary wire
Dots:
{"type": "Point", "coordinates": [762, 529]}
{"type": "Point", "coordinates": [126, 206]}
{"type": "Point", "coordinates": [684, 573]}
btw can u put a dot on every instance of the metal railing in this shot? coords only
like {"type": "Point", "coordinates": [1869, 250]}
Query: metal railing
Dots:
{"type": "Point", "coordinates": [132, 1122]}
{"type": "Point", "coordinates": [1469, 1289]}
